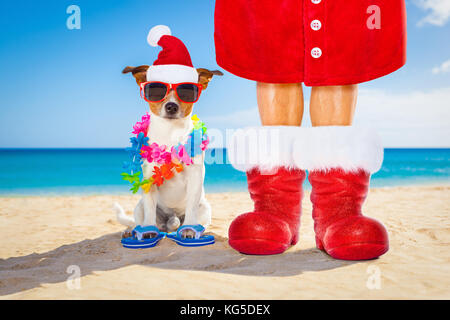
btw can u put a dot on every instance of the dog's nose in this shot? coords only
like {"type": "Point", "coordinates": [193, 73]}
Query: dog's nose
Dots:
{"type": "Point", "coordinates": [171, 108]}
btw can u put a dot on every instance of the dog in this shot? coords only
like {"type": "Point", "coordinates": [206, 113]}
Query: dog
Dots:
{"type": "Point", "coordinates": [181, 199]}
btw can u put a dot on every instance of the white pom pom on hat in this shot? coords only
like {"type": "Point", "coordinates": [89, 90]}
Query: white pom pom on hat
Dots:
{"type": "Point", "coordinates": [174, 64]}
{"type": "Point", "coordinates": [156, 33]}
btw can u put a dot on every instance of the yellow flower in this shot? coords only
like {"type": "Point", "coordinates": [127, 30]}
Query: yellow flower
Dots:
{"type": "Point", "coordinates": [146, 186]}
{"type": "Point", "coordinates": [195, 118]}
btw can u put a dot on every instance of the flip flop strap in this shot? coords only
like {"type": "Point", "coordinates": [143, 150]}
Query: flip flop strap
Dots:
{"type": "Point", "coordinates": [197, 228]}
{"type": "Point", "coordinates": [139, 232]}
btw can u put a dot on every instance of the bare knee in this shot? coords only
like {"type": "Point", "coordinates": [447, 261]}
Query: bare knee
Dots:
{"type": "Point", "coordinates": [333, 105]}
{"type": "Point", "coordinates": [280, 103]}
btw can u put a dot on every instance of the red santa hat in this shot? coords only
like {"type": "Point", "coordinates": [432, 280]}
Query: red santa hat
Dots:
{"type": "Point", "coordinates": [174, 63]}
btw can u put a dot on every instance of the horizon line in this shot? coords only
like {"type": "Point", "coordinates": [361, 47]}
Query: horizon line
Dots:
{"type": "Point", "coordinates": [121, 148]}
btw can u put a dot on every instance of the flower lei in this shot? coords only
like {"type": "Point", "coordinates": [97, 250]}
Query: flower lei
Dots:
{"type": "Point", "coordinates": [169, 161]}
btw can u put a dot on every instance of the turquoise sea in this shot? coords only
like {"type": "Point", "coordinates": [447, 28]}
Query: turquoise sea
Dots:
{"type": "Point", "coordinates": [97, 171]}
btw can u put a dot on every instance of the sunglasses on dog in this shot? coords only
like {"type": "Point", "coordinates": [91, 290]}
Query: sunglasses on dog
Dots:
{"type": "Point", "coordinates": [154, 91]}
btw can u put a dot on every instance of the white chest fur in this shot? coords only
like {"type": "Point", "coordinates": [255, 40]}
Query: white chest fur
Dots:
{"type": "Point", "coordinates": [169, 132]}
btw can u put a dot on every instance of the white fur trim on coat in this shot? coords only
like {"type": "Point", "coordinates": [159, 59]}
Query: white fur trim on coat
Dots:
{"type": "Point", "coordinates": [319, 148]}
{"type": "Point", "coordinates": [172, 73]}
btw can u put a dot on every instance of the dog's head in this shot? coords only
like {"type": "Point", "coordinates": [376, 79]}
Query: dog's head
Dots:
{"type": "Point", "coordinates": [171, 107]}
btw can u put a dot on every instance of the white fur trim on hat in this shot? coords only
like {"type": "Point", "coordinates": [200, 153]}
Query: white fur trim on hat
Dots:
{"type": "Point", "coordinates": [344, 147]}
{"type": "Point", "coordinates": [319, 148]}
{"type": "Point", "coordinates": [172, 73]}
{"type": "Point", "coordinates": [156, 33]}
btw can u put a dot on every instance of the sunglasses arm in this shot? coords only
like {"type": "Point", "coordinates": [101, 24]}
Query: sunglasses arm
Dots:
{"type": "Point", "coordinates": [141, 90]}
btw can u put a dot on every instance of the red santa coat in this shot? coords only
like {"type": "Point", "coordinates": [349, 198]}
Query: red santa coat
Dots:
{"type": "Point", "coordinates": [318, 42]}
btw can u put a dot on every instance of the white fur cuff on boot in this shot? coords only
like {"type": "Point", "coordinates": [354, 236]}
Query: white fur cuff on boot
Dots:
{"type": "Point", "coordinates": [318, 148]}
{"type": "Point", "coordinates": [345, 147]}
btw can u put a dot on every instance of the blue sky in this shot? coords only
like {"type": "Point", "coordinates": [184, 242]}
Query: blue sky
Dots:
{"type": "Point", "coordinates": [64, 88]}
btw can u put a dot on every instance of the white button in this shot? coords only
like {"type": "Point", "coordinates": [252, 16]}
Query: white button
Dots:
{"type": "Point", "coordinates": [316, 1]}
{"type": "Point", "coordinates": [316, 25]}
{"type": "Point", "coordinates": [316, 52]}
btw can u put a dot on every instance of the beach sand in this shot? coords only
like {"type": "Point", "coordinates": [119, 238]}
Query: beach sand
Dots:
{"type": "Point", "coordinates": [42, 236]}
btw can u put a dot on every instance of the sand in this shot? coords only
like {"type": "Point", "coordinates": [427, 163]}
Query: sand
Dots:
{"type": "Point", "coordinates": [42, 237]}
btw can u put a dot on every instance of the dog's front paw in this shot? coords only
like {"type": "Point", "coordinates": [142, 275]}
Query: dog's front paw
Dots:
{"type": "Point", "coordinates": [173, 223]}
{"type": "Point", "coordinates": [188, 234]}
{"type": "Point", "coordinates": [149, 235]}
{"type": "Point", "coordinates": [127, 233]}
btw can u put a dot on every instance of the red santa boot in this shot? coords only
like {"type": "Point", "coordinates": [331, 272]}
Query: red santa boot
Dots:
{"type": "Point", "coordinates": [275, 186]}
{"type": "Point", "coordinates": [340, 168]}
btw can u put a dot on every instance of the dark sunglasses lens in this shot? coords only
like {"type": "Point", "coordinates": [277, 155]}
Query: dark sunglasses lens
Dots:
{"type": "Point", "coordinates": [187, 92]}
{"type": "Point", "coordinates": [155, 91]}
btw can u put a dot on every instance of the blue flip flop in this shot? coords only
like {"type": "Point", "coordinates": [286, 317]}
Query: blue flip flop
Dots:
{"type": "Point", "coordinates": [137, 240]}
{"type": "Point", "coordinates": [198, 241]}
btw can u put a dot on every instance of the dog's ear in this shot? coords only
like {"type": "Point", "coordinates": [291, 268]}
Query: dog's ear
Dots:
{"type": "Point", "coordinates": [205, 76]}
{"type": "Point", "coordinates": [139, 73]}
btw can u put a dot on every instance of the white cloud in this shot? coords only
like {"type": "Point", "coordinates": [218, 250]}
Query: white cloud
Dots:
{"type": "Point", "coordinates": [438, 11]}
{"type": "Point", "coordinates": [443, 68]}
{"type": "Point", "coordinates": [413, 119]}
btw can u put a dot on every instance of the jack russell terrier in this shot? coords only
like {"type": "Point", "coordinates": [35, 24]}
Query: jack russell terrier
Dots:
{"type": "Point", "coordinates": [171, 86]}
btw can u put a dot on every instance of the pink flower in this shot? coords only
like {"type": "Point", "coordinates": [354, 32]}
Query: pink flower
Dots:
{"type": "Point", "coordinates": [146, 153]}
{"type": "Point", "coordinates": [166, 157]}
{"type": "Point", "coordinates": [181, 155]}
{"type": "Point", "coordinates": [204, 144]}
{"type": "Point", "coordinates": [146, 118]}
{"type": "Point", "coordinates": [142, 126]}
{"type": "Point", "coordinates": [156, 153]}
